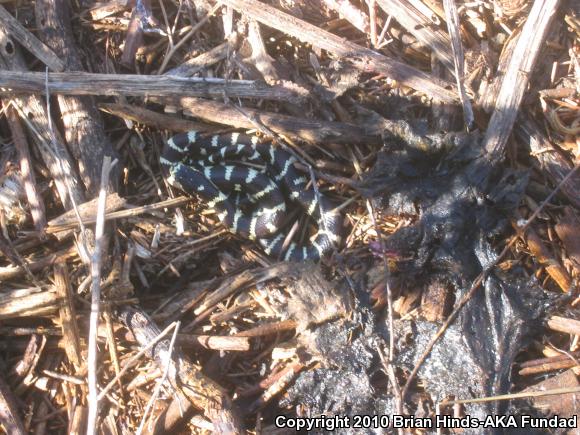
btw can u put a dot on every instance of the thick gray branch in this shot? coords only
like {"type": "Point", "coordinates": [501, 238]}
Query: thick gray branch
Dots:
{"type": "Point", "coordinates": [79, 83]}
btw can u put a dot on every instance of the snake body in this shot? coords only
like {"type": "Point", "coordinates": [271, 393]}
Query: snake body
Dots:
{"type": "Point", "coordinates": [248, 201]}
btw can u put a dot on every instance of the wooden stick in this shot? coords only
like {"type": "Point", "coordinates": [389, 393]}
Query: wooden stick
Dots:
{"type": "Point", "coordinates": [542, 365]}
{"type": "Point", "coordinates": [215, 342]}
{"type": "Point", "coordinates": [77, 420]}
{"type": "Point", "coordinates": [134, 39]}
{"type": "Point", "coordinates": [159, 121]}
{"type": "Point", "coordinates": [112, 345]}
{"type": "Point", "coordinates": [564, 324]}
{"type": "Point", "coordinates": [458, 60]}
{"type": "Point", "coordinates": [280, 384]}
{"type": "Point", "coordinates": [9, 272]}
{"type": "Point", "coordinates": [310, 130]}
{"type": "Point", "coordinates": [260, 57]}
{"type": "Point", "coordinates": [372, 7]}
{"type": "Point", "coordinates": [9, 413]}
{"type": "Point", "coordinates": [68, 320]}
{"type": "Point", "coordinates": [363, 58]}
{"type": "Point", "coordinates": [488, 95]}
{"type": "Point", "coordinates": [61, 224]}
{"type": "Point", "coordinates": [23, 331]}
{"type": "Point", "coordinates": [83, 128]}
{"type": "Point", "coordinates": [96, 297]}
{"type": "Point", "coordinates": [267, 382]}
{"type": "Point", "coordinates": [420, 25]}
{"type": "Point", "coordinates": [269, 328]}
{"type": "Point", "coordinates": [516, 79]}
{"type": "Point", "coordinates": [559, 356]}
{"type": "Point", "coordinates": [81, 83]}
{"type": "Point", "coordinates": [549, 366]}
{"type": "Point", "coordinates": [29, 41]}
{"type": "Point", "coordinates": [19, 304]}
{"type": "Point", "coordinates": [36, 204]}
{"type": "Point", "coordinates": [86, 212]}
{"type": "Point", "coordinates": [525, 394]}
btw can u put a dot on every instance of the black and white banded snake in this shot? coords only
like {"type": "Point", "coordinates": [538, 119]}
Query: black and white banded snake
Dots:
{"type": "Point", "coordinates": [250, 202]}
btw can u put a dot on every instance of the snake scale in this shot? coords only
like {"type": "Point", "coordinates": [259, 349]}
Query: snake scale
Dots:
{"type": "Point", "coordinates": [250, 202]}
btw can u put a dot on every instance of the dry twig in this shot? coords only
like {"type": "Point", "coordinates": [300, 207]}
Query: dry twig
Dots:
{"type": "Point", "coordinates": [79, 83]}
{"type": "Point", "coordinates": [96, 264]}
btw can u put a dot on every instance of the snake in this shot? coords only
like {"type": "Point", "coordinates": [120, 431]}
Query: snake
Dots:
{"type": "Point", "coordinates": [251, 183]}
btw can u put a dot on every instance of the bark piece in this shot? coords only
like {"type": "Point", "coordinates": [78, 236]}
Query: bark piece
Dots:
{"type": "Point", "coordinates": [134, 39]}
{"type": "Point", "coordinates": [68, 320]}
{"type": "Point", "coordinates": [84, 130]}
{"type": "Point", "coordinates": [260, 57]}
{"type": "Point", "coordinates": [13, 27]}
{"type": "Point", "coordinates": [435, 303]}
{"type": "Point", "coordinates": [34, 200]}
{"type": "Point", "coordinates": [171, 419]}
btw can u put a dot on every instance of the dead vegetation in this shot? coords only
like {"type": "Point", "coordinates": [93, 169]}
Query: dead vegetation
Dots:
{"type": "Point", "coordinates": [447, 132]}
